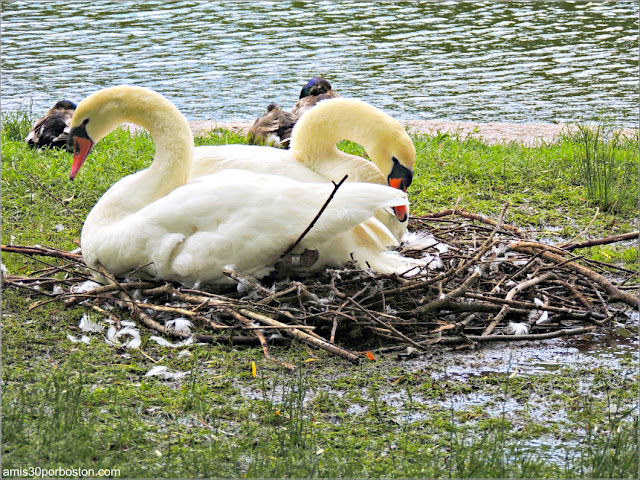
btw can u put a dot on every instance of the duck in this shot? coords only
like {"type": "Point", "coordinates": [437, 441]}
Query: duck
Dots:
{"type": "Point", "coordinates": [316, 90]}
{"type": "Point", "coordinates": [273, 128]}
{"type": "Point", "coordinates": [52, 130]}
{"type": "Point", "coordinates": [314, 157]}
{"type": "Point", "coordinates": [159, 223]}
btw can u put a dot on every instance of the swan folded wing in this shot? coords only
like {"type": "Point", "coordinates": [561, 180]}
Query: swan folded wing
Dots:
{"type": "Point", "coordinates": [234, 217]}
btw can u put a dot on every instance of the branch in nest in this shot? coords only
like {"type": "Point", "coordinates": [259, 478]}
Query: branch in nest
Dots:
{"type": "Point", "coordinates": [601, 241]}
{"type": "Point", "coordinates": [608, 287]}
{"type": "Point", "coordinates": [336, 186]}
{"type": "Point", "coordinates": [512, 293]}
{"type": "Point", "coordinates": [513, 338]}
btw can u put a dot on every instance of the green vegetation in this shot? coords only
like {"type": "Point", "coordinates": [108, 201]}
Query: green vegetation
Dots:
{"type": "Point", "coordinates": [606, 162]}
{"type": "Point", "coordinates": [69, 404]}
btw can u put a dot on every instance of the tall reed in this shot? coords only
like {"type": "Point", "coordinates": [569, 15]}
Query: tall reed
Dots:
{"type": "Point", "coordinates": [607, 164]}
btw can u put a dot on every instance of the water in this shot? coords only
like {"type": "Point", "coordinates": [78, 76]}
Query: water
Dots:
{"type": "Point", "coordinates": [226, 60]}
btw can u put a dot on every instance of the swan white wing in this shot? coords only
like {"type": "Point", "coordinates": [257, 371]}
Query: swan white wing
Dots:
{"type": "Point", "coordinates": [213, 159]}
{"type": "Point", "coordinates": [232, 218]}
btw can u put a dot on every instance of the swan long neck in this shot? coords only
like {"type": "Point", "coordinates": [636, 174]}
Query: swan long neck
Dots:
{"type": "Point", "coordinates": [170, 132]}
{"type": "Point", "coordinates": [314, 138]}
{"type": "Point", "coordinates": [171, 135]}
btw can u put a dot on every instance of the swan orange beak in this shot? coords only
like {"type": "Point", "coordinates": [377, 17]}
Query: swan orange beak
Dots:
{"type": "Point", "coordinates": [401, 211]}
{"type": "Point", "coordinates": [400, 178]}
{"type": "Point", "coordinates": [81, 149]}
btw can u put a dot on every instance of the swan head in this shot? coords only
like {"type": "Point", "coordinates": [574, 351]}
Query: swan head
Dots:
{"type": "Point", "coordinates": [95, 117]}
{"type": "Point", "coordinates": [394, 154]}
{"type": "Point", "coordinates": [384, 139]}
{"type": "Point", "coordinates": [315, 86]}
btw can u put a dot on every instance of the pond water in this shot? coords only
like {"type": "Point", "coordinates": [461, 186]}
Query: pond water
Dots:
{"type": "Point", "coordinates": [226, 60]}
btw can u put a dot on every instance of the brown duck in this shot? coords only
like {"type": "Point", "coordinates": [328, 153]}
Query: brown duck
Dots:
{"type": "Point", "coordinates": [316, 90]}
{"type": "Point", "coordinates": [52, 130]}
{"type": "Point", "coordinates": [273, 128]}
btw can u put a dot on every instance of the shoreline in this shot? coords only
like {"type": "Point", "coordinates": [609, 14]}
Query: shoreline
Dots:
{"type": "Point", "coordinates": [528, 134]}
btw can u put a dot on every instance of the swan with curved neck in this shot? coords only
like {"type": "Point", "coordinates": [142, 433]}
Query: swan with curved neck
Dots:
{"type": "Point", "coordinates": [157, 223]}
{"type": "Point", "coordinates": [314, 156]}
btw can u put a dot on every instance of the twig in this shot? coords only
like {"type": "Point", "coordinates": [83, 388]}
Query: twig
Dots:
{"type": "Point", "coordinates": [304, 337]}
{"type": "Point", "coordinates": [515, 338]}
{"type": "Point", "coordinates": [512, 293]}
{"type": "Point", "coordinates": [336, 186]}
{"type": "Point", "coordinates": [601, 241]}
{"type": "Point", "coordinates": [43, 251]}
{"type": "Point", "coordinates": [55, 198]}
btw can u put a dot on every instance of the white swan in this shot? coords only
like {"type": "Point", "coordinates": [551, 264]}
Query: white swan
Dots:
{"type": "Point", "coordinates": [157, 222]}
{"type": "Point", "coordinates": [314, 157]}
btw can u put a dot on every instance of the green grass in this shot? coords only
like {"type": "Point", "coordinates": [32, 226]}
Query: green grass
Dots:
{"type": "Point", "coordinates": [71, 405]}
{"type": "Point", "coordinates": [606, 163]}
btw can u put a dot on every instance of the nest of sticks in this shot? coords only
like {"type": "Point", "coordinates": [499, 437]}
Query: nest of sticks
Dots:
{"type": "Point", "coordinates": [493, 283]}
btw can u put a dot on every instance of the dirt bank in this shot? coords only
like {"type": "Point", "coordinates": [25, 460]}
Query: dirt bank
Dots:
{"type": "Point", "coordinates": [498, 132]}
{"type": "Point", "coordinates": [491, 132]}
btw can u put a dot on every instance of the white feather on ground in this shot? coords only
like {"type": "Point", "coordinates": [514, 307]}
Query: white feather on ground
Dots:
{"type": "Point", "coordinates": [113, 337]}
{"type": "Point", "coordinates": [83, 339]}
{"type": "Point", "coordinates": [180, 324]}
{"type": "Point", "coordinates": [85, 287]}
{"type": "Point", "coordinates": [166, 343]}
{"type": "Point", "coordinates": [518, 328]}
{"type": "Point", "coordinates": [164, 372]}
{"type": "Point", "coordinates": [88, 325]}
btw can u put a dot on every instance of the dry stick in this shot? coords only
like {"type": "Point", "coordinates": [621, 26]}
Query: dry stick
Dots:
{"type": "Point", "coordinates": [336, 186]}
{"type": "Point", "coordinates": [533, 306]}
{"type": "Point", "coordinates": [475, 216]}
{"type": "Point", "coordinates": [99, 292]}
{"type": "Point", "coordinates": [607, 286]}
{"type": "Point", "coordinates": [588, 305]}
{"type": "Point", "coordinates": [277, 295]}
{"type": "Point", "coordinates": [240, 279]}
{"type": "Point", "coordinates": [302, 336]}
{"type": "Point", "coordinates": [601, 241]}
{"type": "Point", "coordinates": [562, 264]}
{"type": "Point", "coordinates": [263, 341]}
{"type": "Point", "coordinates": [386, 325]}
{"type": "Point", "coordinates": [512, 338]}
{"type": "Point", "coordinates": [55, 198]}
{"type": "Point", "coordinates": [27, 287]}
{"type": "Point", "coordinates": [604, 304]}
{"type": "Point", "coordinates": [512, 293]}
{"type": "Point", "coordinates": [45, 252]}
{"type": "Point", "coordinates": [443, 302]}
